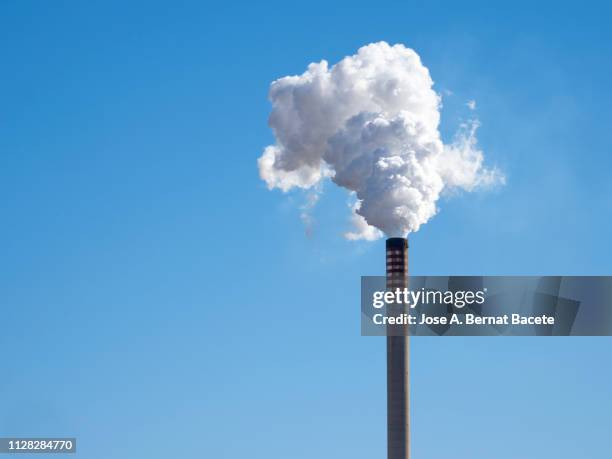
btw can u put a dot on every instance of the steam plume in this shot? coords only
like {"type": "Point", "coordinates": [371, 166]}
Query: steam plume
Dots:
{"type": "Point", "coordinates": [370, 124]}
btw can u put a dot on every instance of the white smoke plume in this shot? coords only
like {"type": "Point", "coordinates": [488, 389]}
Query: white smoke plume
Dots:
{"type": "Point", "coordinates": [370, 124]}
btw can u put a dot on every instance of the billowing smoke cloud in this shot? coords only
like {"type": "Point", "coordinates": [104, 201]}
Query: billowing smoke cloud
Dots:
{"type": "Point", "coordinates": [370, 124]}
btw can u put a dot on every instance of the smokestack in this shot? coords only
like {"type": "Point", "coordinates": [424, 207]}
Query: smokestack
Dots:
{"type": "Point", "coordinates": [398, 359]}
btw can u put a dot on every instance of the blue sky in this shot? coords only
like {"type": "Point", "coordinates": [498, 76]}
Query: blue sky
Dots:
{"type": "Point", "coordinates": [158, 301]}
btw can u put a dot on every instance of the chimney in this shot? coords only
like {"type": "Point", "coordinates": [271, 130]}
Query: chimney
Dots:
{"type": "Point", "coordinates": [398, 358]}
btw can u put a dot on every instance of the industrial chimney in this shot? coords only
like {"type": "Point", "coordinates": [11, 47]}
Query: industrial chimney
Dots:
{"type": "Point", "coordinates": [398, 358]}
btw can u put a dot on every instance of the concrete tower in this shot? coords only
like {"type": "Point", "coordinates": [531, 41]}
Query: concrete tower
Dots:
{"type": "Point", "coordinates": [398, 358]}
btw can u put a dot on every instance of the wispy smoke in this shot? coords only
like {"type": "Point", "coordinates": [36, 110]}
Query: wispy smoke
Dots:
{"type": "Point", "coordinates": [312, 197]}
{"type": "Point", "coordinates": [370, 124]}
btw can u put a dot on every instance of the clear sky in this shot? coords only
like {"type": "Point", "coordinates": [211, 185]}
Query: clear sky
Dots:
{"type": "Point", "coordinates": [158, 302]}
